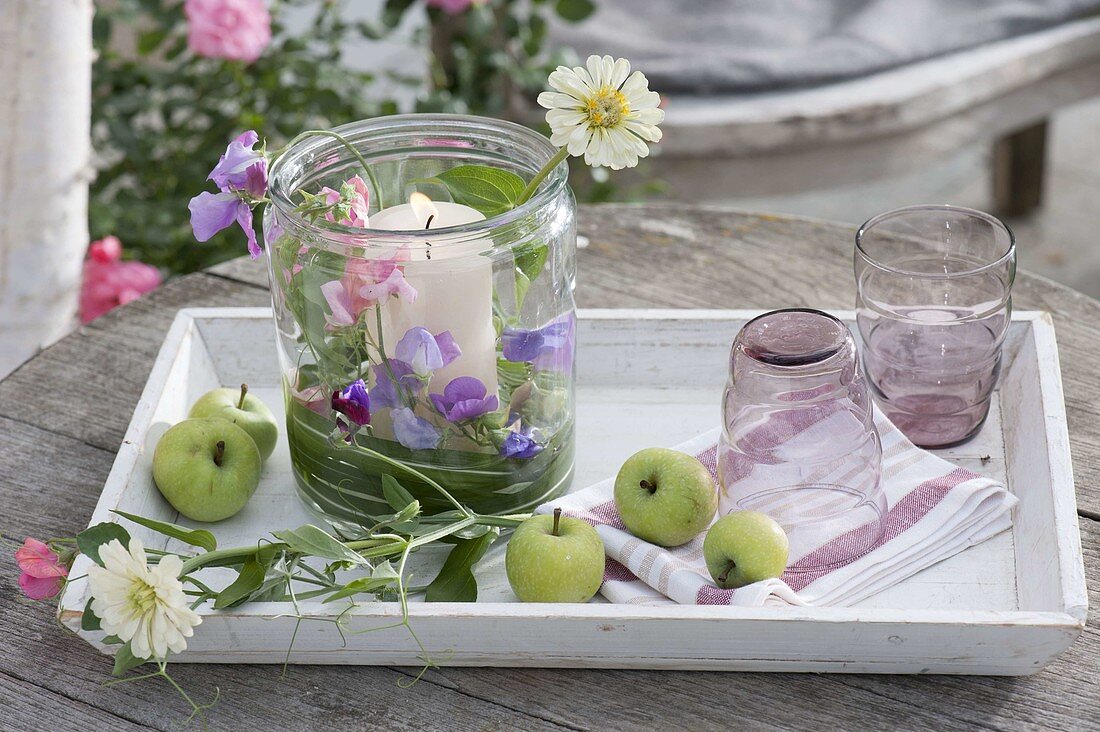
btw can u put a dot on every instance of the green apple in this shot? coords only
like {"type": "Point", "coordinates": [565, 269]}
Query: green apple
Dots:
{"type": "Point", "coordinates": [206, 468]}
{"type": "Point", "coordinates": [745, 547]}
{"type": "Point", "coordinates": [244, 410]}
{"type": "Point", "coordinates": [555, 559]}
{"type": "Point", "coordinates": [664, 496]}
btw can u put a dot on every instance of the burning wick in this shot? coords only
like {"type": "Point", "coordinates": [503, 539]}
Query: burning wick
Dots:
{"type": "Point", "coordinates": [428, 225]}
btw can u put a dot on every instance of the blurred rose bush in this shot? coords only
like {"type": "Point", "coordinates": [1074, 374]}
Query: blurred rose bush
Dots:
{"type": "Point", "coordinates": [110, 282]}
{"type": "Point", "coordinates": [234, 30]}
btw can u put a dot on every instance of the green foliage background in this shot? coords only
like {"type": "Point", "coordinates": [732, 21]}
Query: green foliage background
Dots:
{"type": "Point", "coordinates": [161, 116]}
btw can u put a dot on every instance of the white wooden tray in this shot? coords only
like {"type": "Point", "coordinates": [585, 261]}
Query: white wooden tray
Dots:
{"type": "Point", "coordinates": [647, 377]}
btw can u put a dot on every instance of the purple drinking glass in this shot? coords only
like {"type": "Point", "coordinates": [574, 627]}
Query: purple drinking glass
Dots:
{"type": "Point", "coordinates": [799, 442]}
{"type": "Point", "coordinates": [933, 303]}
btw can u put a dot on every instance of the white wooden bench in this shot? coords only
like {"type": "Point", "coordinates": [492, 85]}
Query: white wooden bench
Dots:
{"type": "Point", "coordinates": [890, 122]}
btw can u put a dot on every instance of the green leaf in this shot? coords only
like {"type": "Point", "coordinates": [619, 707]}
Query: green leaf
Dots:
{"type": "Point", "coordinates": [383, 575]}
{"type": "Point", "coordinates": [395, 493]}
{"type": "Point", "coordinates": [523, 284]}
{"type": "Point", "coordinates": [359, 586]}
{"type": "Point", "coordinates": [491, 191]}
{"type": "Point", "coordinates": [574, 10]}
{"type": "Point", "coordinates": [310, 540]}
{"type": "Point", "coordinates": [394, 10]}
{"type": "Point", "coordinates": [90, 539]}
{"type": "Point", "coordinates": [408, 513]}
{"type": "Point", "coordinates": [456, 582]}
{"type": "Point", "coordinates": [248, 581]}
{"type": "Point", "coordinates": [531, 259]}
{"type": "Point", "coordinates": [126, 660]}
{"type": "Point", "coordinates": [89, 620]}
{"type": "Point", "coordinates": [149, 40]}
{"type": "Point", "coordinates": [195, 537]}
{"type": "Point", "coordinates": [514, 488]}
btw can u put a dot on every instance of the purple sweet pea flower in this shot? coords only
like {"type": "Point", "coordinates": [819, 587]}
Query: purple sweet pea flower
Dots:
{"type": "Point", "coordinates": [519, 445]}
{"type": "Point", "coordinates": [244, 219]}
{"type": "Point", "coordinates": [353, 402]}
{"type": "Point", "coordinates": [414, 432]}
{"type": "Point", "coordinates": [212, 212]}
{"type": "Point", "coordinates": [424, 352]}
{"type": "Point", "coordinates": [549, 348]}
{"type": "Point", "coordinates": [255, 180]}
{"type": "Point", "coordinates": [464, 398]}
{"type": "Point", "coordinates": [242, 168]}
{"type": "Point", "coordinates": [385, 394]}
{"type": "Point", "coordinates": [241, 177]}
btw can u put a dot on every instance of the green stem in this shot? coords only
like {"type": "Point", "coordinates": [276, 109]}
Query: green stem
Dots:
{"type": "Point", "coordinates": [507, 522]}
{"type": "Point", "coordinates": [345, 143]}
{"type": "Point", "coordinates": [540, 176]}
{"type": "Point", "coordinates": [416, 474]}
{"type": "Point", "coordinates": [243, 552]}
{"type": "Point", "coordinates": [398, 388]}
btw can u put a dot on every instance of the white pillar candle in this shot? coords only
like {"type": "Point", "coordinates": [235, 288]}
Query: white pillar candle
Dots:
{"type": "Point", "coordinates": [454, 289]}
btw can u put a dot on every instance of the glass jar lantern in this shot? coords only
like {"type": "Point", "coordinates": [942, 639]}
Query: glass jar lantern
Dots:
{"type": "Point", "coordinates": [467, 352]}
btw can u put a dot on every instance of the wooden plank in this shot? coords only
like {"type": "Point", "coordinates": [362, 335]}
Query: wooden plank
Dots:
{"type": "Point", "coordinates": [709, 257]}
{"type": "Point", "coordinates": [86, 385]}
{"type": "Point", "coordinates": [635, 355]}
{"type": "Point", "coordinates": [37, 650]}
{"type": "Point", "coordinates": [30, 707]}
{"type": "Point", "coordinates": [706, 258]}
{"type": "Point", "coordinates": [1061, 697]}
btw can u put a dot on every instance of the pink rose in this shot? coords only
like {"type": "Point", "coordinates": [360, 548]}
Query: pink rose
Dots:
{"type": "Point", "coordinates": [41, 573]}
{"type": "Point", "coordinates": [236, 30]}
{"type": "Point", "coordinates": [109, 282]}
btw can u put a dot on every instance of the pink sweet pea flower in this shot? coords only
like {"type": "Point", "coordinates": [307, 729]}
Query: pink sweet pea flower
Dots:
{"type": "Point", "coordinates": [41, 573]}
{"type": "Point", "coordinates": [110, 282]}
{"type": "Point", "coordinates": [360, 203]}
{"type": "Point", "coordinates": [395, 285]}
{"type": "Point", "coordinates": [366, 281]}
{"type": "Point", "coordinates": [235, 30]}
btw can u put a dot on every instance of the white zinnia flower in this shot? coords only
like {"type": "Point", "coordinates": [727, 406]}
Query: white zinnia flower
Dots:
{"type": "Point", "coordinates": [141, 604]}
{"type": "Point", "coordinates": [603, 111]}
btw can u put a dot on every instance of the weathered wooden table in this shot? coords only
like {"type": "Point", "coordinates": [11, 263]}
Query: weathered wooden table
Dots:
{"type": "Point", "coordinates": [63, 415]}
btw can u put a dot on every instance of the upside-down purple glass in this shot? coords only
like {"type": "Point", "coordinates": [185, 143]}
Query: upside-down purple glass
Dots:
{"type": "Point", "coordinates": [933, 305]}
{"type": "Point", "coordinates": [799, 442]}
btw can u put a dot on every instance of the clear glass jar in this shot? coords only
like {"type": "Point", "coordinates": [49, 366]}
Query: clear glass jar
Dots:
{"type": "Point", "coordinates": [489, 305]}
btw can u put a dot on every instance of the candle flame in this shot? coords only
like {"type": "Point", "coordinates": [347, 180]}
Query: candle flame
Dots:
{"type": "Point", "coordinates": [423, 208]}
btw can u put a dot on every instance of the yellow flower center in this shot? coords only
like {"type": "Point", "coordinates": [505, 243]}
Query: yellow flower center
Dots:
{"type": "Point", "coordinates": [143, 597]}
{"type": "Point", "coordinates": [606, 108]}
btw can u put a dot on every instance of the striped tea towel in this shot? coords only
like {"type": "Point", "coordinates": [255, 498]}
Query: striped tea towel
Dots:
{"type": "Point", "coordinates": [935, 510]}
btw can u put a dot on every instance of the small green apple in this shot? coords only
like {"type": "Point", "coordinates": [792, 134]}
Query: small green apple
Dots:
{"type": "Point", "coordinates": [664, 496]}
{"type": "Point", "coordinates": [745, 547]}
{"type": "Point", "coordinates": [555, 559]}
{"type": "Point", "coordinates": [206, 468]}
{"type": "Point", "coordinates": [244, 410]}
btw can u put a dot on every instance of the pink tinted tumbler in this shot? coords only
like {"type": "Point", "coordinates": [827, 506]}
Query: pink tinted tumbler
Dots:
{"type": "Point", "coordinates": [799, 441]}
{"type": "Point", "coordinates": [933, 305]}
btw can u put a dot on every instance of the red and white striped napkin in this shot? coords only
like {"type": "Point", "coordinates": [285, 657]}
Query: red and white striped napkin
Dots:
{"type": "Point", "coordinates": [935, 510]}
